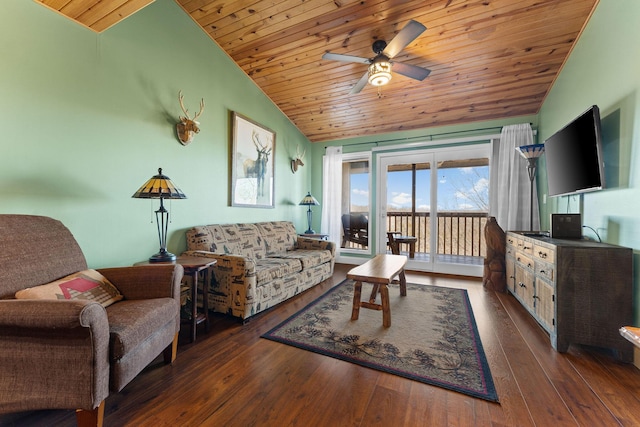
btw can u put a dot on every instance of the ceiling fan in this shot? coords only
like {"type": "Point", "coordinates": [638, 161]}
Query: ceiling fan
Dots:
{"type": "Point", "coordinates": [379, 72]}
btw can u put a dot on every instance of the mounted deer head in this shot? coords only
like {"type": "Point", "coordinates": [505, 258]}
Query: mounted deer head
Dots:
{"type": "Point", "coordinates": [187, 127]}
{"type": "Point", "coordinates": [297, 160]}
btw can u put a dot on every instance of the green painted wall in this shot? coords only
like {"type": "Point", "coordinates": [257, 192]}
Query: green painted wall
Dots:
{"type": "Point", "coordinates": [604, 69]}
{"type": "Point", "coordinates": [87, 118]}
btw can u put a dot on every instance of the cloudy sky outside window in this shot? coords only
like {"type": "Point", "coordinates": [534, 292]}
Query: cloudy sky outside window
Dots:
{"type": "Point", "coordinates": [459, 189]}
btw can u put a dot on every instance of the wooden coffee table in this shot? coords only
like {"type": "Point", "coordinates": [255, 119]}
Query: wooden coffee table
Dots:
{"type": "Point", "coordinates": [380, 271]}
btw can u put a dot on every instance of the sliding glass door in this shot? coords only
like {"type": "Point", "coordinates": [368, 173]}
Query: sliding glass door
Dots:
{"type": "Point", "coordinates": [436, 202]}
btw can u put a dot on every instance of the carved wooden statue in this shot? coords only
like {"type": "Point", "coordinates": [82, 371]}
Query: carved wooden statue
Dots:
{"type": "Point", "coordinates": [494, 277]}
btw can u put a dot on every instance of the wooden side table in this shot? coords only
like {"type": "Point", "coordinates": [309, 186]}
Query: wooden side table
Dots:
{"type": "Point", "coordinates": [315, 236]}
{"type": "Point", "coordinates": [193, 266]}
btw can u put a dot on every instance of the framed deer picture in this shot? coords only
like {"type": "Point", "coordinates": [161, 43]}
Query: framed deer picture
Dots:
{"type": "Point", "coordinates": [252, 163]}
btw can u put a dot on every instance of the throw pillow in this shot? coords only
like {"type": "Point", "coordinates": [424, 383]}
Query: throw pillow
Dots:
{"type": "Point", "coordinates": [87, 285]}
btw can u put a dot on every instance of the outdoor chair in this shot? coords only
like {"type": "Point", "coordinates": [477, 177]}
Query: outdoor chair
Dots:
{"type": "Point", "coordinates": [355, 229]}
{"type": "Point", "coordinates": [395, 239]}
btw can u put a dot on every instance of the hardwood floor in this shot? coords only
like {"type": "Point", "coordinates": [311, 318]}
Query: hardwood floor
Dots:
{"type": "Point", "coordinates": [232, 377]}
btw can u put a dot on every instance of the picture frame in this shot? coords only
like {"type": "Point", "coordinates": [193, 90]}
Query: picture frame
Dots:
{"type": "Point", "coordinates": [253, 149]}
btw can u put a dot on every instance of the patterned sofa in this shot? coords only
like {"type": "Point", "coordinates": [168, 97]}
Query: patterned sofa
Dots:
{"type": "Point", "coordinates": [260, 264]}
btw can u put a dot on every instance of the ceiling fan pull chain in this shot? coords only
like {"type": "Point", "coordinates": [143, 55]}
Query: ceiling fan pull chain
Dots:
{"type": "Point", "coordinates": [379, 92]}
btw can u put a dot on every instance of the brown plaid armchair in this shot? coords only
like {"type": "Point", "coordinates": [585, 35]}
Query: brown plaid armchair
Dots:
{"type": "Point", "coordinates": [69, 353]}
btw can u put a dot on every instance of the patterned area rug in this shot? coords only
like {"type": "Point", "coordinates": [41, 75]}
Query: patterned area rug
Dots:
{"type": "Point", "coordinates": [433, 336]}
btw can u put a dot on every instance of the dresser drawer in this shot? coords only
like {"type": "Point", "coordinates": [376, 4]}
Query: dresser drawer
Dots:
{"type": "Point", "coordinates": [544, 253]}
{"type": "Point", "coordinates": [545, 270]}
{"type": "Point", "coordinates": [524, 260]}
{"type": "Point", "coordinates": [525, 246]}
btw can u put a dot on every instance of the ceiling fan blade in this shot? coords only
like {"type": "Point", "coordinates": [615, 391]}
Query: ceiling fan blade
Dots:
{"type": "Point", "coordinates": [408, 34]}
{"type": "Point", "coordinates": [345, 58]}
{"type": "Point", "coordinates": [409, 70]}
{"type": "Point", "coordinates": [361, 84]}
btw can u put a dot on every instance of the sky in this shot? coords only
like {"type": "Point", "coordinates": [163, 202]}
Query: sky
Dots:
{"type": "Point", "coordinates": [464, 189]}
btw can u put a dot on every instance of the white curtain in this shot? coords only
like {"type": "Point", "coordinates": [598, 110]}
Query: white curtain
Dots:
{"type": "Point", "coordinates": [332, 193]}
{"type": "Point", "coordinates": [509, 192]}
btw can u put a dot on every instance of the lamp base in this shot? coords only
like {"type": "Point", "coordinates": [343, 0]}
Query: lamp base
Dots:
{"type": "Point", "coordinates": [309, 231]}
{"type": "Point", "coordinates": [163, 257]}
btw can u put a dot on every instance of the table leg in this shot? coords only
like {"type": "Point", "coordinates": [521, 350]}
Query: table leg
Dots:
{"type": "Point", "coordinates": [194, 304]}
{"type": "Point", "coordinates": [412, 249]}
{"type": "Point", "coordinates": [403, 284]}
{"type": "Point", "coordinates": [386, 311]}
{"type": "Point", "coordinates": [357, 291]}
{"type": "Point", "coordinates": [395, 248]}
{"type": "Point", "coordinates": [205, 297]}
{"type": "Point", "coordinates": [374, 293]}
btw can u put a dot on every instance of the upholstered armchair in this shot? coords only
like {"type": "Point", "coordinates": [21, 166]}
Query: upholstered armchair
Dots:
{"type": "Point", "coordinates": [70, 352]}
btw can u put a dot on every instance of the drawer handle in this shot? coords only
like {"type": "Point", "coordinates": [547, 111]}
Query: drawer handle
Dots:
{"type": "Point", "coordinates": [542, 254]}
{"type": "Point", "coordinates": [522, 285]}
{"type": "Point", "coordinates": [526, 247]}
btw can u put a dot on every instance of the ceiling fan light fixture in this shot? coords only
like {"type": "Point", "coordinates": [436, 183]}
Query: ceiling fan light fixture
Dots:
{"type": "Point", "coordinates": [379, 72]}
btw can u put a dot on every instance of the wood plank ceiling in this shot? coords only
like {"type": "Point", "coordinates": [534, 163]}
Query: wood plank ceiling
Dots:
{"type": "Point", "coordinates": [97, 15]}
{"type": "Point", "coordinates": [490, 59]}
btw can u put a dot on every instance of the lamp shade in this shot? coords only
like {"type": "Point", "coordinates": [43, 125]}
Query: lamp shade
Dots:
{"type": "Point", "coordinates": [309, 200]}
{"type": "Point", "coordinates": [159, 186]}
{"type": "Point", "coordinates": [531, 151]}
{"type": "Point", "coordinates": [380, 72]}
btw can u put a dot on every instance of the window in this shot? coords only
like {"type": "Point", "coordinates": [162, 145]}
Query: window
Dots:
{"type": "Point", "coordinates": [356, 204]}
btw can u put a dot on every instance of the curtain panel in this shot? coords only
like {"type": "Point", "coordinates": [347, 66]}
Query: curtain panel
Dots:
{"type": "Point", "coordinates": [332, 194]}
{"type": "Point", "coordinates": [509, 191]}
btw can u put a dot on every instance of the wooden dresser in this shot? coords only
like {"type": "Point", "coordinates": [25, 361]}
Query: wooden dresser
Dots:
{"type": "Point", "coordinates": [579, 291]}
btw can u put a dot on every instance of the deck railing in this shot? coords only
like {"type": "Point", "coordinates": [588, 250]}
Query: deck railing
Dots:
{"type": "Point", "coordinates": [459, 233]}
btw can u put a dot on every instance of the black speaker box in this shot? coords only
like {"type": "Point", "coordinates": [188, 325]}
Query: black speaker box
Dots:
{"type": "Point", "coordinates": [566, 226]}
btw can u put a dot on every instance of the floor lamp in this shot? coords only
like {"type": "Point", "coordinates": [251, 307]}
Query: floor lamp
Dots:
{"type": "Point", "coordinates": [160, 187]}
{"type": "Point", "coordinates": [531, 153]}
{"type": "Point", "coordinates": [309, 201]}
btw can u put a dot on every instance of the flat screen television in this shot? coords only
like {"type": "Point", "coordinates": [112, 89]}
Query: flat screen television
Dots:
{"type": "Point", "coordinates": [574, 156]}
